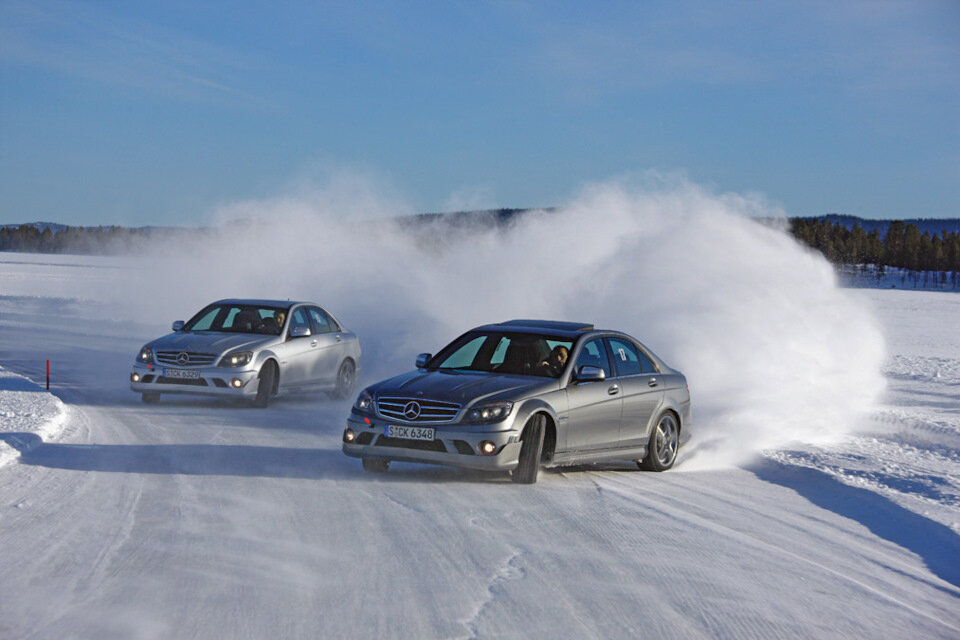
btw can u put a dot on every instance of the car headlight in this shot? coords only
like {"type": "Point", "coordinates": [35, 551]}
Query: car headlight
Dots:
{"type": "Point", "coordinates": [490, 412]}
{"type": "Point", "coordinates": [236, 359]}
{"type": "Point", "coordinates": [145, 356]}
{"type": "Point", "coordinates": [364, 402]}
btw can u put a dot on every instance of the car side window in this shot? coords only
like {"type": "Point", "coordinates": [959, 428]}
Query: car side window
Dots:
{"type": "Point", "coordinates": [594, 355]}
{"type": "Point", "coordinates": [320, 321]}
{"type": "Point", "coordinates": [299, 318]}
{"type": "Point", "coordinates": [646, 364]}
{"type": "Point", "coordinates": [334, 325]}
{"type": "Point", "coordinates": [625, 357]}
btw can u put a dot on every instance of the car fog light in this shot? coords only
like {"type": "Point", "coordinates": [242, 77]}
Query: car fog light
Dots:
{"type": "Point", "coordinates": [134, 377]}
{"type": "Point", "coordinates": [237, 383]}
{"type": "Point", "coordinates": [487, 448]}
{"type": "Point", "coordinates": [349, 435]}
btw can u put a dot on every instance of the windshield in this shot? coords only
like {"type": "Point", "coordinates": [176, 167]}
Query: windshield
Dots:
{"type": "Point", "coordinates": [500, 352]}
{"type": "Point", "coordinates": [238, 318]}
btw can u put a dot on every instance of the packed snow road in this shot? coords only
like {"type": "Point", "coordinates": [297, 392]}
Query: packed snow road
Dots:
{"type": "Point", "coordinates": [196, 518]}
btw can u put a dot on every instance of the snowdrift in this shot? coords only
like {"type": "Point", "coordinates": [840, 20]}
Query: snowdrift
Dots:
{"type": "Point", "coordinates": [28, 414]}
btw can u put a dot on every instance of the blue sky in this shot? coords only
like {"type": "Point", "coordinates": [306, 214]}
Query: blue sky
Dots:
{"type": "Point", "coordinates": [157, 113]}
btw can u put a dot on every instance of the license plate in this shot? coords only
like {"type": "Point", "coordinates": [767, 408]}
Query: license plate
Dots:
{"type": "Point", "coordinates": [409, 433]}
{"type": "Point", "coordinates": [184, 374]}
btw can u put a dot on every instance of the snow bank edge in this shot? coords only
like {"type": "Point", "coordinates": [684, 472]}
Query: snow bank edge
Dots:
{"type": "Point", "coordinates": [26, 410]}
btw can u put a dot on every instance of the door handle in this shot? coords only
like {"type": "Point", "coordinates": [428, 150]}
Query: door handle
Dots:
{"type": "Point", "coordinates": [614, 390]}
{"type": "Point", "coordinates": [313, 343]}
{"type": "Point", "coordinates": [338, 338]}
{"type": "Point", "coordinates": [653, 382]}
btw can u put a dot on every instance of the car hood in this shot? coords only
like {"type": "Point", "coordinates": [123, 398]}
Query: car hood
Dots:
{"type": "Point", "coordinates": [209, 341]}
{"type": "Point", "coordinates": [462, 387]}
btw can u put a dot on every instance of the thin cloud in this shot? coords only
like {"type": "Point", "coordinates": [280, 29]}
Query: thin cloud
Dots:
{"type": "Point", "coordinates": [96, 45]}
{"type": "Point", "coordinates": [886, 45]}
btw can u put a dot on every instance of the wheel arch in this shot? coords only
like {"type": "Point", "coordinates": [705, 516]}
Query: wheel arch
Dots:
{"type": "Point", "coordinates": [530, 409]}
{"type": "Point", "coordinates": [676, 414]}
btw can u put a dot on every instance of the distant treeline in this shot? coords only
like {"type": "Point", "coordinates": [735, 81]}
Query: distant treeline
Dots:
{"type": "Point", "coordinates": [44, 237]}
{"type": "Point", "coordinates": [903, 246]}
{"type": "Point", "coordinates": [113, 240]}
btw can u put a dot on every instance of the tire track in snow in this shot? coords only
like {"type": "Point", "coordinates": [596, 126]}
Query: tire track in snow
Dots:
{"type": "Point", "coordinates": [509, 571]}
{"type": "Point", "coordinates": [673, 509]}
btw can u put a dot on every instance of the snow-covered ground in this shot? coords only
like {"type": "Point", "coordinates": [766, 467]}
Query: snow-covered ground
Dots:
{"type": "Point", "coordinates": [909, 448]}
{"type": "Point", "coordinates": [197, 518]}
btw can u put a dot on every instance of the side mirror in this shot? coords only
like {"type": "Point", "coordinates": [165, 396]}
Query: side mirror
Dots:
{"type": "Point", "coordinates": [423, 359]}
{"type": "Point", "coordinates": [299, 332]}
{"type": "Point", "coordinates": [588, 373]}
{"type": "Point", "coordinates": [178, 325]}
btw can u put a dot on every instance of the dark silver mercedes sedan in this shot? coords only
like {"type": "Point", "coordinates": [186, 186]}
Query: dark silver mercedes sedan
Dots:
{"type": "Point", "coordinates": [250, 350]}
{"type": "Point", "coordinates": [523, 394]}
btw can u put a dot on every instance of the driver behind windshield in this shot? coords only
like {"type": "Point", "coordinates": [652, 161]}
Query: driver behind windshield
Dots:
{"type": "Point", "coordinates": [556, 361]}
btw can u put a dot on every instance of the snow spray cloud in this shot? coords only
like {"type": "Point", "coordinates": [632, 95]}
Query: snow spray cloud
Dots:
{"type": "Point", "coordinates": [774, 352]}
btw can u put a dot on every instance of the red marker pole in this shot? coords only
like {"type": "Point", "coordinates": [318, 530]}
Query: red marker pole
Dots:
{"type": "Point", "coordinates": [48, 375]}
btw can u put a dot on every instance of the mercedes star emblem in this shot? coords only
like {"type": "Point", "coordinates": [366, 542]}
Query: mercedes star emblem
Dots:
{"type": "Point", "coordinates": [412, 410]}
{"type": "Point", "coordinates": [182, 358]}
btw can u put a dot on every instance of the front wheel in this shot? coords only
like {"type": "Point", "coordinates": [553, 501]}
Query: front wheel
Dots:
{"type": "Point", "coordinates": [530, 451]}
{"type": "Point", "coordinates": [346, 377]}
{"type": "Point", "coordinates": [663, 445]}
{"type": "Point", "coordinates": [267, 378]}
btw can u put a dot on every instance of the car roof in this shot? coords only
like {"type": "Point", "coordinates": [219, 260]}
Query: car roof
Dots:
{"type": "Point", "coordinates": [551, 327]}
{"type": "Point", "coordinates": [254, 302]}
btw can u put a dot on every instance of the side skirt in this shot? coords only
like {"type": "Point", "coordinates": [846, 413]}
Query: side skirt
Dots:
{"type": "Point", "coordinates": [603, 455]}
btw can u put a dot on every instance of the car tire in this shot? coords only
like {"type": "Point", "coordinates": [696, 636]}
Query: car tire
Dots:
{"type": "Point", "coordinates": [663, 444]}
{"type": "Point", "coordinates": [150, 397]}
{"type": "Point", "coordinates": [266, 381]}
{"type": "Point", "coordinates": [530, 451]}
{"type": "Point", "coordinates": [375, 465]}
{"type": "Point", "coordinates": [346, 378]}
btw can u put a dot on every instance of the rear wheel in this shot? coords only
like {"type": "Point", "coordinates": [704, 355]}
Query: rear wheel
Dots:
{"type": "Point", "coordinates": [374, 465]}
{"type": "Point", "coordinates": [663, 445]}
{"type": "Point", "coordinates": [346, 378]}
{"type": "Point", "coordinates": [530, 451]}
{"type": "Point", "coordinates": [266, 380]}
{"type": "Point", "coordinates": [150, 397]}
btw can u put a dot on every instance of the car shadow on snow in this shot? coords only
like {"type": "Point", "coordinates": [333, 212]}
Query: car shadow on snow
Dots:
{"type": "Point", "coordinates": [224, 460]}
{"type": "Point", "coordinates": [184, 459]}
{"type": "Point", "coordinates": [937, 545]}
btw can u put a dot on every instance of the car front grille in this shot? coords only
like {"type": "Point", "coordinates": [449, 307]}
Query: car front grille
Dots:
{"type": "Point", "coordinates": [193, 359]}
{"type": "Point", "coordinates": [417, 410]}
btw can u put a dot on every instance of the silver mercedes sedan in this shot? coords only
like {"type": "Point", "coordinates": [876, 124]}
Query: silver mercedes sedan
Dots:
{"type": "Point", "coordinates": [524, 394]}
{"type": "Point", "coordinates": [251, 350]}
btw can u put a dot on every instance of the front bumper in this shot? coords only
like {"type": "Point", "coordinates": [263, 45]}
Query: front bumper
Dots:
{"type": "Point", "coordinates": [212, 381]}
{"type": "Point", "coordinates": [456, 445]}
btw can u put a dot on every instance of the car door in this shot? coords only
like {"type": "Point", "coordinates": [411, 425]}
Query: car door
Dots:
{"type": "Point", "coordinates": [640, 387]}
{"type": "Point", "coordinates": [329, 349]}
{"type": "Point", "coordinates": [295, 353]}
{"type": "Point", "coordinates": [594, 408]}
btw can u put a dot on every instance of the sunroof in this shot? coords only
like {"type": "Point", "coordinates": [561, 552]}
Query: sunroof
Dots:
{"type": "Point", "coordinates": [550, 324]}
